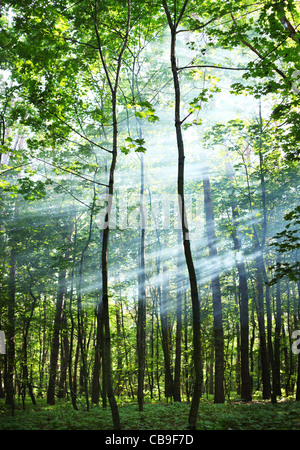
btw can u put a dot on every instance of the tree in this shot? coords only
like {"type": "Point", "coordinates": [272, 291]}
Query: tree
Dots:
{"type": "Point", "coordinates": [216, 291]}
{"type": "Point", "coordinates": [173, 23]}
{"type": "Point", "coordinates": [61, 291]}
{"type": "Point", "coordinates": [113, 85]}
{"type": "Point", "coordinates": [244, 298]}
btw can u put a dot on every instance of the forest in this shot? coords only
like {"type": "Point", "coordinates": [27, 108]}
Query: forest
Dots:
{"type": "Point", "coordinates": [149, 214]}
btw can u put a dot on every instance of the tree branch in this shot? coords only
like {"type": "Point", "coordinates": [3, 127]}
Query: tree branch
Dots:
{"type": "Point", "coordinates": [262, 57]}
{"type": "Point", "coordinates": [181, 13]}
{"type": "Point", "coordinates": [288, 26]}
{"type": "Point", "coordinates": [168, 14]}
{"type": "Point", "coordinates": [205, 66]}
{"type": "Point", "coordinates": [100, 46]}
{"type": "Point", "coordinates": [79, 134]}
{"type": "Point", "coordinates": [70, 171]}
{"type": "Point", "coordinates": [12, 168]}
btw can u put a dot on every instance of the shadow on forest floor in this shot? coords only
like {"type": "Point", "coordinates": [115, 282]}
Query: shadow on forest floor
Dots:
{"type": "Point", "coordinates": [257, 415]}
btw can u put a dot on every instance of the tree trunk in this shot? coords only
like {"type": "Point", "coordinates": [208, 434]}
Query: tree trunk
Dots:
{"type": "Point", "coordinates": [65, 355]}
{"type": "Point", "coordinates": [216, 293]}
{"type": "Point", "coordinates": [151, 338]}
{"type": "Point", "coordinates": [80, 311]}
{"type": "Point", "coordinates": [106, 325]}
{"type": "Point", "coordinates": [104, 268]}
{"type": "Point", "coordinates": [169, 384]}
{"type": "Point", "coordinates": [298, 371]}
{"type": "Point", "coordinates": [177, 396]}
{"type": "Point", "coordinates": [56, 335]}
{"type": "Point", "coordinates": [276, 374]}
{"type": "Point", "coordinates": [118, 347]}
{"type": "Point", "coordinates": [270, 352]}
{"type": "Point", "coordinates": [260, 277]}
{"type": "Point", "coordinates": [25, 376]}
{"type": "Point", "coordinates": [244, 320]}
{"type": "Point", "coordinates": [26, 383]}
{"type": "Point", "coordinates": [244, 301]}
{"type": "Point", "coordinates": [270, 356]}
{"type": "Point", "coordinates": [185, 231]}
{"type": "Point", "coordinates": [98, 354]}
{"type": "Point", "coordinates": [71, 384]}
{"type": "Point", "coordinates": [10, 333]}
{"type": "Point", "coordinates": [141, 326]}
{"type": "Point", "coordinates": [261, 326]}
{"type": "Point", "coordinates": [75, 374]}
{"type": "Point", "coordinates": [2, 391]}
{"type": "Point", "coordinates": [129, 372]}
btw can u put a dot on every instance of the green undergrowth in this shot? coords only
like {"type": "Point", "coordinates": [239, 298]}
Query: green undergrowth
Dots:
{"type": "Point", "coordinates": [257, 415]}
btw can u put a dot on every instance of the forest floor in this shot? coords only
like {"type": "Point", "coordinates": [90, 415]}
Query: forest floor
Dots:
{"type": "Point", "coordinates": [257, 415]}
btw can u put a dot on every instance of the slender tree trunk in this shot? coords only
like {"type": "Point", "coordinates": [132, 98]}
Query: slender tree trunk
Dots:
{"type": "Point", "coordinates": [10, 333]}
{"type": "Point", "coordinates": [285, 358]}
{"type": "Point", "coordinates": [298, 371]}
{"type": "Point", "coordinates": [211, 374]}
{"type": "Point", "coordinates": [65, 355]}
{"type": "Point", "coordinates": [276, 374]}
{"type": "Point", "coordinates": [26, 382]}
{"type": "Point", "coordinates": [141, 313]}
{"type": "Point", "coordinates": [244, 319]}
{"type": "Point", "coordinates": [177, 396]}
{"type": "Point", "coordinates": [157, 375]}
{"type": "Point", "coordinates": [126, 347]}
{"type": "Point", "coordinates": [83, 350]}
{"type": "Point", "coordinates": [163, 312]}
{"type": "Point", "coordinates": [75, 374]}
{"type": "Point", "coordinates": [72, 392]}
{"type": "Point", "coordinates": [152, 339]}
{"type": "Point", "coordinates": [70, 359]}
{"type": "Point", "coordinates": [270, 351]}
{"type": "Point", "coordinates": [80, 311]}
{"type": "Point", "coordinates": [185, 231]}
{"type": "Point", "coordinates": [252, 340]}
{"type": "Point", "coordinates": [261, 326]}
{"type": "Point", "coordinates": [99, 345]}
{"type": "Point", "coordinates": [260, 276]}
{"type": "Point", "coordinates": [2, 391]}
{"type": "Point", "coordinates": [238, 344]}
{"type": "Point", "coordinates": [107, 368]}
{"type": "Point", "coordinates": [141, 326]}
{"type": "Point", "coordinates": [118, 346]}
{"type": "Point", "coordinates": [244, 301]}
{"type": "Point", "coordinates": [164, 309]}
{"type": "Point", "coordinates": [216, 293]}
{"type": "Point", "coordinates": [270, 355]}
{"type": "Point", "coordinates": [98, 354]}
{"type": "Point", "coordinates": [291, 364]}
{"type": "Point", "coordinates": [43, 347]}
{"type": "Point", "coordinates": [56, 335]}
{"type": "Point", "coordinates": [186, 351]}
